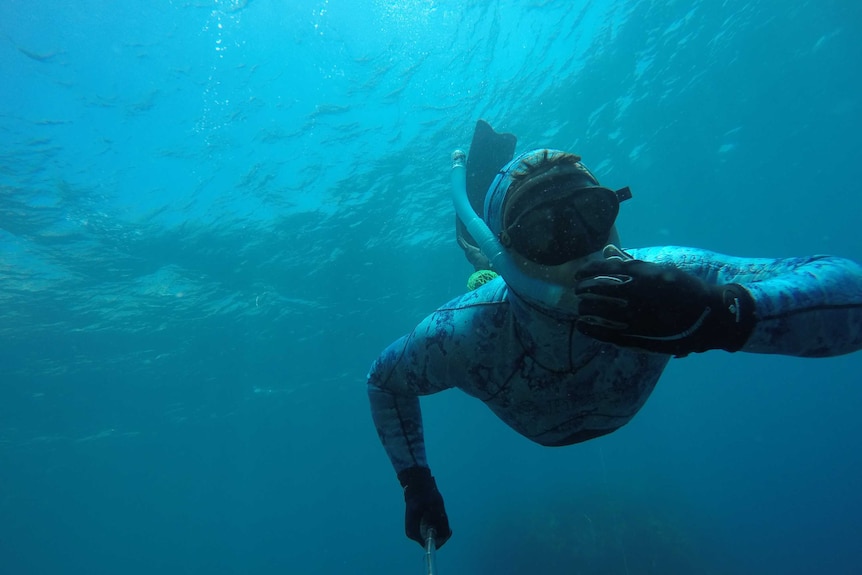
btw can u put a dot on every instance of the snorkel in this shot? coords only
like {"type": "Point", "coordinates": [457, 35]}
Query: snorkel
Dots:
{"type": "Point", "coordinates": [516, 279]}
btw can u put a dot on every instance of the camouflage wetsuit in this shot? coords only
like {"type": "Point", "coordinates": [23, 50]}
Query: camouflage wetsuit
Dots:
{"type": "Point", "coordinates": [556, 386]}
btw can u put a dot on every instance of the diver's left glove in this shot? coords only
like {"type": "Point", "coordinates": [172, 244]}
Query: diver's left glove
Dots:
{"type": "Point", "coordinates": [661, 308]}
{"type": "Point", "coordinates": [425, 509]}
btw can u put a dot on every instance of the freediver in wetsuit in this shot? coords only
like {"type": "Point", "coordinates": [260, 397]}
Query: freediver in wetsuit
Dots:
{"type": "Point", "coordinates": [569, 341]}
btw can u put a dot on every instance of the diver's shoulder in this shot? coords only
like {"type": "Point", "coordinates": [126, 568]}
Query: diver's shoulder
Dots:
{"type": "Point", "coordinates": [492, 293]}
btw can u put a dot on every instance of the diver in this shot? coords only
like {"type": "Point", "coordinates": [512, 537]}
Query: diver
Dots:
{"type": "Point", "coordinates": [569, 341]}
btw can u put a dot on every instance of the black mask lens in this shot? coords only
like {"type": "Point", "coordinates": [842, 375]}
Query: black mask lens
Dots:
{"type": "Point", "coordinates": [566, 228]}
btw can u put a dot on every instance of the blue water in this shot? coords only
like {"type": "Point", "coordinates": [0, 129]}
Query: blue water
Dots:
{"type": "Point", "coordinates": [214, 214]}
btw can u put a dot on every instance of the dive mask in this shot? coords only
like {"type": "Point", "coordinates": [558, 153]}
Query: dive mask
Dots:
{"type": "Point", "coordinates": [547, 207]}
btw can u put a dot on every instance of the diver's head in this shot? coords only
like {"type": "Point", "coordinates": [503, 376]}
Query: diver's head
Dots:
{"type": "Point", "coordinates": [547, 210]}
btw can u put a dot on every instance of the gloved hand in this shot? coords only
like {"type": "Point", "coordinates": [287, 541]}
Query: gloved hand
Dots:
{"type": "Point", "coordinates": [660, 308]}
{"type": "Point", "coordinates": [425, 508]}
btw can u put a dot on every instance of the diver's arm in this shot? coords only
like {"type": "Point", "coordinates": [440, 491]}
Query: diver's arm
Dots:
{"type": "Point", "coordinates": [402, 373]}
{"type": "Point", "coordinates": [809, 306]}
{"type": "Point", "coordinates": [395, 408]}
{"type": "Point", "coordinates": [421, 363]}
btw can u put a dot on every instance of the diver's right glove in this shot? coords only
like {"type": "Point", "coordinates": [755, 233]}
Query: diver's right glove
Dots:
{"type": "Point", "coordinates": [661, 308]}
{"type": "Point", "coordinates": [425, 508]}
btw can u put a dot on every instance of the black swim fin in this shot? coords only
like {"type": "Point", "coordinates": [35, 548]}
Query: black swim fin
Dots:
{"type": "Point", "coordinates": [489, 151]}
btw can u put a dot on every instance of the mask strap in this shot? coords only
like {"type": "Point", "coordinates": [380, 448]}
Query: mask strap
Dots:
{"type": "Point", "coordinates": [623, 194]}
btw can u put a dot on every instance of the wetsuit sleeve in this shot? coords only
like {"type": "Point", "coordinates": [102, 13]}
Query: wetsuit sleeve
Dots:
{"type": "Point", "coordinates": [413, 366]}
{"type": "Point", "coordinates": [809, 306]}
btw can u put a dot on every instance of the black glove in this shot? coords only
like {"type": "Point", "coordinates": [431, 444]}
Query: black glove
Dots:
{"type": "Point", "coordinates": [661, 308]}
{"type": "Point", "coordinates": [425, 508]}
